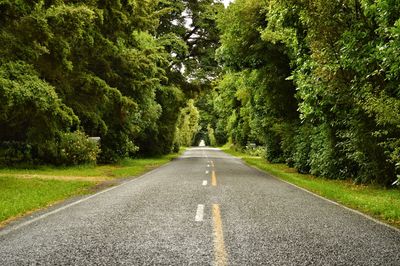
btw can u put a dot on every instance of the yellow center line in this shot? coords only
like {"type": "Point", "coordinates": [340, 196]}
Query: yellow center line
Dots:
{"type": "Point", "coordinates": [221, 257]}
{"type": "Point", "coordinates": [213, 178]}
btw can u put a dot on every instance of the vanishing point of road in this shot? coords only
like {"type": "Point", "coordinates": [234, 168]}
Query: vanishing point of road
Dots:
{"type": "Point", "coordinates": [205, 208]}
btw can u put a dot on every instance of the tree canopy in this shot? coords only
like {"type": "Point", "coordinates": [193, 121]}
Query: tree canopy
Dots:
{"type": "Point", "coordinates": [315, 82]}
{"type": "Point", "coordinates": [118, 70]}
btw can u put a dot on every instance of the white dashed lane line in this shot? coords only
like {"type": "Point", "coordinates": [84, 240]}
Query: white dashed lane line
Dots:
{"type": "Point", "coordinates": [199, 213]}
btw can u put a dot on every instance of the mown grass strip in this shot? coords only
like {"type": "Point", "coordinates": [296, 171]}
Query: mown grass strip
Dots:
{"type": "Point", "coordinates": [378, 202]}
{"type": "Point", "coordinates": [19, 196]}
{"type": "Point", "coordinates": [25, 190]}
{"type": "Point", "coordinates": [134, 167]}
{"type": "Point", "coordinates": [124, 168]}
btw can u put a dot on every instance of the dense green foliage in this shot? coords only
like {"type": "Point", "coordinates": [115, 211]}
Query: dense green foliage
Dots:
{"type": "Point", "coordinates": [316, 82]}
{"type": "Point", "coordinates": [188, 125]}
{"type": "Point", "coordinates": [119, 70]}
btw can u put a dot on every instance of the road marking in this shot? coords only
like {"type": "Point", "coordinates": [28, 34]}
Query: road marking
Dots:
{"type": "Point", "coordinates": [213, 179]}
{"type": "Point", "coordinates": [208, 165]}
{"type": "Point", "coordinates": [207, 172]}
{"type": "Point", "coordinates": [212, 163]}
{"type": "Point", "coordinates": [199, 213]}
{"type": "Point", "coordinates": [204, 182]}
{"type": "Point", "coordinates": [219, 245]}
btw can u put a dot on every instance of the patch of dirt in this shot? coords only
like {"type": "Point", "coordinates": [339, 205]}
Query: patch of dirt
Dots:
{"type": "Point", "coordinates": [290, 170]}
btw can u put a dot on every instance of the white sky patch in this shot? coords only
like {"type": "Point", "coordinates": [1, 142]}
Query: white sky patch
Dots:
{"type": "Point", "coordinates": [227, 2]}
{"type": "Point", "coordinates": [188, 20]}
{"type": "Point", "coordinates": [175, 22]}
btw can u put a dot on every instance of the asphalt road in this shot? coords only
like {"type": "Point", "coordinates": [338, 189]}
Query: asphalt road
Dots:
{"type": "Point", "coordinates": [206, 208]}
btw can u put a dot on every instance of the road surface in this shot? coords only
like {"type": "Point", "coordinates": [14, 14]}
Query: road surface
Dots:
{"type": "Point", "coordinates": [205, 208]}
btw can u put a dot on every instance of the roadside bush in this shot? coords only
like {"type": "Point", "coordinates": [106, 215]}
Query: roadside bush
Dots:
{"type": "Point", "coordinates": [326, 157]}
{"type": "Point", "coordinates": [175, 148]}
{"type": "Point", "coordinates": [211, 136]}
{"type": "Point", "coordinates": [75, 148]}
{"type": "Point", "coordinates": [301, 155]}
{"type": "Point", "coordinates": [273, 151]}
{"type": "Point", "coordinates": [256, 151]}
{"type": "Point", "coordinates": [288, 144]}
{"type": "Point", "coordinates": [116, 146]}
{"type": "Point", "coordinates": [14, 152]}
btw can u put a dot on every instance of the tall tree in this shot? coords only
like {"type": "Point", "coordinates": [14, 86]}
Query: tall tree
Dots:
{"type": "Point", "coordinates": [316, 82]}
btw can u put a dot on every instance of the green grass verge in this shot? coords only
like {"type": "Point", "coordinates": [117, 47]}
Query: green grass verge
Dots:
{"type": "Point", "coordinates": [380, 203]}
{"type": "Point", "coordinates": [125, 168]}
{"type": "Point", "coordinates": [26, 190]}
{"type": "Point", "coordinates": [19, 196]}
{"type": "Point", "coordinates": [134, 167]}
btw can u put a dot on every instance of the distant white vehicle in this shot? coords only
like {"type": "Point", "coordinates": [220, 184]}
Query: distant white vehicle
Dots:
{"type": "Point", "coordinates": [202, 143]}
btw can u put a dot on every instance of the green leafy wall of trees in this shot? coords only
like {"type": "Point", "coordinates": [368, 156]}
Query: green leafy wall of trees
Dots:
{"type": "Point", "coordinates": [109, 69]}
{"type": "Point", "coordinates": [317, 82]}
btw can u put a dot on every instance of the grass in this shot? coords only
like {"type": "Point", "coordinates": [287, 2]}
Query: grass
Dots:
{"type": "Point", "coordinates": [378, 202]}
{"type": "Point", "coordinates": [25, 190]}
{"type": "Point", "coordinates": [134, 167]}
{"type": "Point", "coordinates": [19, 196]}
{"type": "Point", "coordinates": [125, 168]}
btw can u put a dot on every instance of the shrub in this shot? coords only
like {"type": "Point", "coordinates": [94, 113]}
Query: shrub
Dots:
{"type": "Point", "coordinates": [288, 142]}
{"type": "Point", "coordinates": [273, 150]}
{"type": "Point", "coordinates": [14, 152]}
{"type": "Point", "coordinates": [301, 155]}
{"type": "Point", "coordinates": [75, 148]}
{"type": "Point", "coordinates": [175, 147]}
{"type": "Point", "coordinates": [256, 151]}
{"type": "Point", "coordinates": [211, 136]}
{"type": "Point", "coordinates": [116, 145]}
{"type": "Point", "coordinates": [326, 157]}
